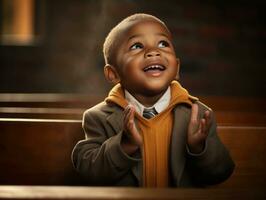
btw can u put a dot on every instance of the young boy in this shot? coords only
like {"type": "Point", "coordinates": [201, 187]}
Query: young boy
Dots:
{"type": "Point", "coordinates": [149, 131]}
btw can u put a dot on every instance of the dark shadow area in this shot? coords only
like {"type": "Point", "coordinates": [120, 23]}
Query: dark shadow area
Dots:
{"type": "Point", "coordinates": [220, 45]}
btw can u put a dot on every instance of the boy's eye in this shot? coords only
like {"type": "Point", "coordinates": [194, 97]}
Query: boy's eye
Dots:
{"type": "Point", "coordinates": [136, 46]}
{"type": "Point", "coordinates": [163, 44]}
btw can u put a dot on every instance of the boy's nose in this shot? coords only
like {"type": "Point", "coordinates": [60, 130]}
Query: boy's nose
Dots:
{"type": "Point", "coordinates": [152, 52]}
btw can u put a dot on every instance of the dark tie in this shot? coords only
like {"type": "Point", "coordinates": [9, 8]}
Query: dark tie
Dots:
{"type": "Point", "coordinates": [149, 112]}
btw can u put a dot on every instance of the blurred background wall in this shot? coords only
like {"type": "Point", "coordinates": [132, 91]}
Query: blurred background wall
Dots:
{"type": "Point", "coordinates": [221, 45]}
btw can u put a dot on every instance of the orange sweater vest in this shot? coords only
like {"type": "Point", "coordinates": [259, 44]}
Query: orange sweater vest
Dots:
{"type": "Point", "coordinates": [156, 133]}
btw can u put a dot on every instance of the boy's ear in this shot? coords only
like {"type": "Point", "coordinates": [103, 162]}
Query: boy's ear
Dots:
{"type": "Point", "coordinates": [178, 67]}
{"type": "Point", "coordinates": [111, 74]}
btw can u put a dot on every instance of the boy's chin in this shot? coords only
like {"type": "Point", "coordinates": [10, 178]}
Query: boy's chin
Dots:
{"type": "Point", "coordinates": [158, 86]}
{"type": "Point", "coordinates": [154, 91]}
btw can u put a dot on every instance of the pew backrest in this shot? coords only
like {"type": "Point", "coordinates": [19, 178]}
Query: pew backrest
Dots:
{"type": "Point", "coordinates": [38, 152]}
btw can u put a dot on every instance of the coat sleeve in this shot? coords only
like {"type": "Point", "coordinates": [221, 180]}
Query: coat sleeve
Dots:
{"type": "Point", "coordinates": [214, 164]}
{"type": "Point", "coordinates": [99, 158]}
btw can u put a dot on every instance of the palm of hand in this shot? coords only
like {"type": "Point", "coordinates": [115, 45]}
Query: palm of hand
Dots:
{"type": "Point", "coordinates": [198, 129]}
{"type": "Point", "coordinates": [130, 127]}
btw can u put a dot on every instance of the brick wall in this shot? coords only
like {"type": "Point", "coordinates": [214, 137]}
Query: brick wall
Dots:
{"type": "Point", "coordinates": [220, 44]}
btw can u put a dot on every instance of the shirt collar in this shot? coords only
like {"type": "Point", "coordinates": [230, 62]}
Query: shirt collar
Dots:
{"type": "Point", "coordinates": [159, 106]}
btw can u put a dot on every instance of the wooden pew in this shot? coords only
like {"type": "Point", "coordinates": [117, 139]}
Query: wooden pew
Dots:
{"type": "Point", "coordinates": [111, 193]}
{"type": "Point", "coordinates": [237, 111]}
{"type": "Point", "coordinates": [63, 100]}
{"type": "Point", "coordinates": [41, 113]}
{"type": "Point", "coordinates": [45, 106]}
{"type": "Point", "coordinates": [228, 110]}
{"type": "Point", "coordinates": [240, 118]}
{"type": "Point", "coordinates": [247, 145]}
{"type": "Point", "coordinates": [48, 100]}
{"type": "Point", "coordinates": [37, 152]}
{"type": "Point", "coordinates": [223, 118]}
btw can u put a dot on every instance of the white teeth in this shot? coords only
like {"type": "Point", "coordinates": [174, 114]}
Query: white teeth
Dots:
{"type": "Point", "coordinates": [152, 67]}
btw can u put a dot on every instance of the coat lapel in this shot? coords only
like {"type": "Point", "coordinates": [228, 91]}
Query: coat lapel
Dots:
{"type": "Point", "coordinates": [178, 143]}
{"type": "Point", "coordinates": [115, 120]}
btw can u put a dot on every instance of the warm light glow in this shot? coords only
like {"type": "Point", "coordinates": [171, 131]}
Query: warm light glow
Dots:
{"type": "Point", "coordinates": [18, 22]}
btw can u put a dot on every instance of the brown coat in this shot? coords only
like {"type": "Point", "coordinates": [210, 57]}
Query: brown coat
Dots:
{"type": "Point", "coordinates": [100, 159]}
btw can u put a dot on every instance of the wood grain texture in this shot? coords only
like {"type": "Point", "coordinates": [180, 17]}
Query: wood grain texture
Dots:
{"type": "Point", "coordinates": [109, 193]}
{"type": "Point", "coordinates": [38, 152]}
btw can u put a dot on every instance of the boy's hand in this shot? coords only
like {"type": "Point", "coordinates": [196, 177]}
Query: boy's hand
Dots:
{"type": "Point", "coordinates": [198, 130]}
{"type": "Point", "coordinates": [131, 140]}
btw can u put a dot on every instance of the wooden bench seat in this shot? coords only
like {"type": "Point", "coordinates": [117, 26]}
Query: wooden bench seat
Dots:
{"type": "Point", "coordinates": [111, 193]}
{"type": "Point", "coordinates": [37, 152]}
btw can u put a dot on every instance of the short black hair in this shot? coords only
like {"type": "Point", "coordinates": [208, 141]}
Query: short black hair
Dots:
{"type": "Point", "coordinates": [109, 46]}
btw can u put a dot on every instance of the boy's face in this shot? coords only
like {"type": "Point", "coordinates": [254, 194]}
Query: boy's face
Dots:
{"type": "Point", "coordinates": [146, 60]}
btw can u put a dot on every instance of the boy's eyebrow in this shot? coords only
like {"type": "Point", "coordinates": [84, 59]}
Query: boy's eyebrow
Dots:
{"type": "Point", "coordinates": [139, 35]}
{"type": "Point", "coordinates": [134, 36]}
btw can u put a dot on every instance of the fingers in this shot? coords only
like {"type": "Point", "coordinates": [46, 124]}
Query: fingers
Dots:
{"type": "Point", "coordinates": [207, 117]}
{"type": "Point", "coordinates": [200, 126]}
{"type": "Point", "coordinates": [198, 129]}
{"type": "Point", "coordinates": [130, 130]}
{"type": "Point", "coordinates": [194, 113]}
{"type": "Point", "coordinates": [193, 124]}
{"type": "Point", "coordinates": [203, 127]}
{"type": "Point", "coordinates": [129, 117]}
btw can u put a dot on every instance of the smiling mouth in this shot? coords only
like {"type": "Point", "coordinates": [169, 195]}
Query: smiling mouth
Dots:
{"type": "Point", "coordinates": [154, 68]}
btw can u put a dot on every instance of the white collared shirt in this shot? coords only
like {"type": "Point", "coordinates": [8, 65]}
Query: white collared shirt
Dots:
{"type": "Point", "coordinates": [159, 106]}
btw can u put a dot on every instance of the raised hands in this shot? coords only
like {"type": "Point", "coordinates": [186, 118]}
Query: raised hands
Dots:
{"type": "Point", "coordinates": [131, 139]}
{"type": "Point", "coordinates": [198, 130]}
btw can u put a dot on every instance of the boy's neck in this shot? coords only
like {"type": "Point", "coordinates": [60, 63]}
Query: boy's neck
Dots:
{"type": "Point", "coordinates": [148, 101]}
